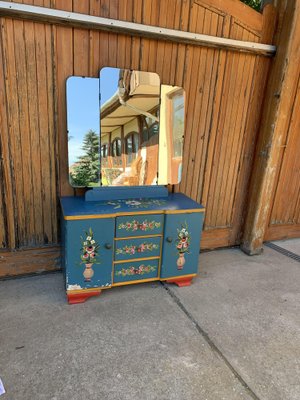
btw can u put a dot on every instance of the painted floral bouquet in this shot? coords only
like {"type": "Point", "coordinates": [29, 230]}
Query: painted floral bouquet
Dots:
{"type": "Point", "coordinates": [183, 240]}
{"type": "Point", "coordinates": [89, 248]}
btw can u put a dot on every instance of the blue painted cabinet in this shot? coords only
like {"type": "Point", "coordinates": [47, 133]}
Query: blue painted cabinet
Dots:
{"type": "Point", "coordinates": [89, 253]}
{"type": "Point", "coordinates": [120, 241]}
{"type": "Point", "coordinates": [181, 245]}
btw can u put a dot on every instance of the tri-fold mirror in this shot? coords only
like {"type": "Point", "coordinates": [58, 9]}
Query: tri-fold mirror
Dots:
{"type": "Point", "coordinates": [124, 129]}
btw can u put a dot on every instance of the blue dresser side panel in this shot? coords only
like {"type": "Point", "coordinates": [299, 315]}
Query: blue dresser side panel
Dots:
{"type": "Point", "coordinates": [87, 241]}
{"type": "Point", "coordinates": [63, 242]}
{"type": "Point", "coordinates": [181, 246]}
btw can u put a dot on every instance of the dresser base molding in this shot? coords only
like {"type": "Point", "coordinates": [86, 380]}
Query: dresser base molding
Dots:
{"type": "Point", "coordinates": [80, 296]}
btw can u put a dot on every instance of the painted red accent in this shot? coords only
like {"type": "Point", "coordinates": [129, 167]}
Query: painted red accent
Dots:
{"type": "Point", "coordinates": [181, 282]}
{"type": "Point", "coordinates": [75, 298]}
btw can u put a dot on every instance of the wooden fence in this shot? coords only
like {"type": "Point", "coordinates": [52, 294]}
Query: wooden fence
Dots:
{"type": "Point", "coordinates": [224, 92]}
{"type": "Point", "coordinates": [284, 220]}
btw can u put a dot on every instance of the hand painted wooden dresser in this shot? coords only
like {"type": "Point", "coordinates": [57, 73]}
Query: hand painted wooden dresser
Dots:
{"type": "Point", "coordinates": [120, 236]}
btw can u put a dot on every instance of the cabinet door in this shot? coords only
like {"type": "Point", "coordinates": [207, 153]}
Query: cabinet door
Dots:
{"type": "Point", "coordinates": [181, 247]}
{"type": "Point", "coordinates": [89, 253]}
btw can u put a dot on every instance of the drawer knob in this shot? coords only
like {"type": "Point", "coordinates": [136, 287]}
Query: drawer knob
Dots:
{"type": "Point", "coordinates": [107, 246]}
{"type": "Point", "coordinates": [169, 239]}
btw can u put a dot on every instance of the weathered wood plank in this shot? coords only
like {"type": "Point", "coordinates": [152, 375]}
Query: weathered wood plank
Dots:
{"type": "Point", "coordinates": [64, 68]}
{"type": "Point", "coordinates": [29, 261]}
{"type": "Point", "coordinates": [7, 201]}
{"type": "Point", "coordinates": [273, 130]}
{"type": "Point", "coordinates": [25, 133]}
{"type": "Point", "coordinates": [52, 133]}
{"type": "Point", "coordinates": [281, 232]}
{"type": "Point", "coordinates": [103, 40]}
{"type": "Point", "coordinates": [287, 192]}
{"type": "Point", "coordinates": [190, 85]}
{"type": "Point", "coordinates": [251, 130]}
{"type": "Point", "coordinates": [136, 41]}
{"type": "Point", "coordinates": [181, 55]}
{"type": "Point", "coordinates": [236, 132]}
{"type": "Point", "coordinates": [113, 37]}
{"type": "Point", "coordinates": [214, 118]}
{"type": "Point", "coordinates": [94, 38]}
{"type": "Point", "coordinates": [237, 10]}
{"type": "Point", "coordinates": [34, 112]}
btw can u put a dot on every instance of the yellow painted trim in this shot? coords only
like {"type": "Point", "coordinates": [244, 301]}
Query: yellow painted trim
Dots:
{"type": "Point", "coordinates": [92, 216]}
{"type": "Point", "coordinates": [139, 237]}
{"type": "Point", "coordinates": [136, 259]}
{"type": "Point", "coordinates": [188, 211]}
{"type": "Point", "coordinates": [124, 214]}
{"type": "Point", "coordinates": [96, 289]}
{"type": "Point", "coordinates": [133, 282]}
{"type": "Point", "coordinates": [160, 253]}
{"type": "Point", "coordinates": [177, 277]}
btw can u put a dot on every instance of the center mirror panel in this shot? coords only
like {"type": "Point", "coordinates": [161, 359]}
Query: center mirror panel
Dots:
{"type": "Point", "coordinates": [129, 127]}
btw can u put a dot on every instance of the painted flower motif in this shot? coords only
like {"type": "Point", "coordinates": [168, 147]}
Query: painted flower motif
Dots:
{"type": "Point", "coordinates": [143, 226]}
{"type": "Point", "coordinates": [90, 249]}
{"type": "Point", "coordinates": [141, 270]}
{"type": "Point", "coordinates": [183, 239]}
{"type": "Point", "coordinates": [137, 203]}
{"type": "Point", "coordinates": [132, 249]}
{"type": "Point", "coordinates": [133, 203]}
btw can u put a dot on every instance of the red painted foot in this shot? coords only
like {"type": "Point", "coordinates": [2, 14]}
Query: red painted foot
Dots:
{"type": "Point", "coordinates": [75, 298]}
{"type": "Point", "coordinates": [181, 282]}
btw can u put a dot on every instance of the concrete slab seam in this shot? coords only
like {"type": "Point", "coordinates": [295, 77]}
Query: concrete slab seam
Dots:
{"type": "Point", "coordinates": [212, 345]}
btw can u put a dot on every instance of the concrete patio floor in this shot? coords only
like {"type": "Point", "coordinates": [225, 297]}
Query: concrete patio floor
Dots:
{"type": "Point", "coordinates": [233, 334]}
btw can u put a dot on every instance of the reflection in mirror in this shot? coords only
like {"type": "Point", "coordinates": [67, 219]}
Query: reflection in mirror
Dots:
{"type": "Point", "coordinates": [83, 131]}
{"type": "Point", "coordinates": [129, 113]}
{"type": "Point", "coordinates": [171, 134]}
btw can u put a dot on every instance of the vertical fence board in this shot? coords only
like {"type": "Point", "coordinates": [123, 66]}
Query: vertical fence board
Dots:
{"type": "Point", "coordinates": [7, 214]}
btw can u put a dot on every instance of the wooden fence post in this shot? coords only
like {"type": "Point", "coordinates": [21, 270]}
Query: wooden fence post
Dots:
{"type": "Point", "coordinates": [277, 108]}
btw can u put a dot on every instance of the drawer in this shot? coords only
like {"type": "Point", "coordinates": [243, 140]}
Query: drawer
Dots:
{"type": "Point", "coordinates": [136, 270]}
{"type": "Point", "coordinates": [126, 249]}
{"type": "Point", "coordinates": [139, 225]}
